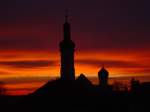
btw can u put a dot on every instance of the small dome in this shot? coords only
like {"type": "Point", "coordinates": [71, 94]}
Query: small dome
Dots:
{"type": "Point", "coordinates": [104, 71]}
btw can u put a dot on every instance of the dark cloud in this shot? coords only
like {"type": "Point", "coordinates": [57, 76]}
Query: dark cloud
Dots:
{"type": "Point", "coordinates": [4, 73]}
{"type": "Point", "coordinates": [110, 63]}
{"type": "Point", "coordinates": [96, 24]}
{"type": "Point", "coordinates": [27, 64]}
{"type": "Point", "coordinates": [144, 70]}
{"type": "Point", "coordinates": [22, 89]}
{"type": "Point", "coordinates": [24, 43]}
{"type": "Point", "coordinates": [17, 80]}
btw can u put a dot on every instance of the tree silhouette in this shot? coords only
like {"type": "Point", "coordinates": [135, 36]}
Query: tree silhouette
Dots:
{"type": "Point", "coordinates": [118, 86]}
{"type": "Point", "coordinates": [2, 88]}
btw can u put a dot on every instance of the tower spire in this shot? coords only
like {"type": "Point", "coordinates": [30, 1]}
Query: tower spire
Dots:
{"type": "Point", "coordinates": [67, 27]}
{"type": "Point", "coordinates": [66, 15]}
{"type": "Point", "coordinates": [67, 48]}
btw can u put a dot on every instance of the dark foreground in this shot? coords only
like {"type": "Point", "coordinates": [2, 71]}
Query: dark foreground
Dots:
{"type": "Point", "coordinates": [70, 97]}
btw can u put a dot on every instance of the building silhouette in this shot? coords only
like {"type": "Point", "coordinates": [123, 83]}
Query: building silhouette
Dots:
{"type": "Point", "coordinates": [103, 75]}
{"type": "Point", "coordinates": [135, 84]}
{"type": "Point", "coordinates": [67, 48]}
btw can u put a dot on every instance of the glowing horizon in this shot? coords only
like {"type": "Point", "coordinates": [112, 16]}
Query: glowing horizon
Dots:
{"type": "Point", "coordinates": [22, 74]}
{"type": "Point", "coordinates": [46, 63]}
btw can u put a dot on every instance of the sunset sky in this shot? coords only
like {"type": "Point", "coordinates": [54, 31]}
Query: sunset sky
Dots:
{"type": "Point", "coordinates": [110, 33]}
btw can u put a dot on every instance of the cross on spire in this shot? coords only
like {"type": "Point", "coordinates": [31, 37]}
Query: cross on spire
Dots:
{"type": "Point", "coordinates": [66, 15]}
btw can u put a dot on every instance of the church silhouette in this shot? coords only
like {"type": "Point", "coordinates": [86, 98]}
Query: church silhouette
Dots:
{"type": "Point", "coordinates": [77, 94]}
{"type": "Point", "coordinates": [67, 81]}
{"type": "Point", "coordinates": [71, 93]}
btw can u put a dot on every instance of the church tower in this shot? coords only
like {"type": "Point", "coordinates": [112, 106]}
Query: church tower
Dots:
{"type": "Point", "coordinates": [67, 48]}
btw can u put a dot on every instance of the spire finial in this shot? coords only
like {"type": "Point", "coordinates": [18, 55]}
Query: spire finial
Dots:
{"type": "Point", "coordinates": [66, 15]}
{"type": "Point", "coordinates": [103, 65]}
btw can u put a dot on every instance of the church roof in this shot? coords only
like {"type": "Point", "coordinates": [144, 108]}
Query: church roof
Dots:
{"type": "Point", "coordinates": [82, 79]}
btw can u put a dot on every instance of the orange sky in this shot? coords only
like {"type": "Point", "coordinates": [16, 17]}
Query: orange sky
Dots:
{"type": "Point", "coordinates": [24, 71]}
{"type": "Point", "coordinates": [114, 34]}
